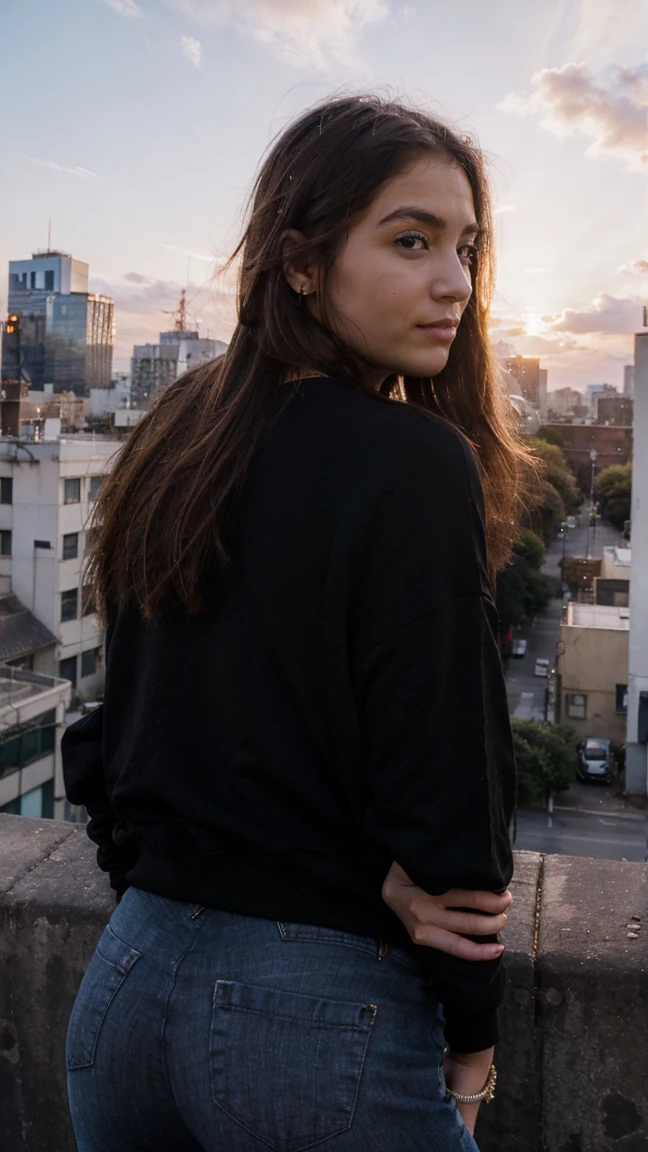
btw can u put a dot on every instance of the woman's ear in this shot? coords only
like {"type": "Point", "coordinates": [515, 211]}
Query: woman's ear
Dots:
{"type": "Point", "coordinates": [299, 267]}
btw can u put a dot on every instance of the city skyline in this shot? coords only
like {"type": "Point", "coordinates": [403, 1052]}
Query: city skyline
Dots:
{"type": "Point", "coordinates": [144, 120]}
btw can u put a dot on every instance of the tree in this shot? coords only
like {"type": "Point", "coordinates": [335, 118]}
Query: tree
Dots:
{"type": "Point", "coordinates": [530, 548]}
{"type": "Point", "coordinates": [545, 756]}
{"type": "Point", "coordinates": [613, 490]}
{"type": "Point", "coordinates": [557, 470]}
{"type": "Point", "coordinates": [550, 435]}
{"type": "Point", "coordinates": [546, 511]}
{"type": "Point", "coordinates": [522, 589]}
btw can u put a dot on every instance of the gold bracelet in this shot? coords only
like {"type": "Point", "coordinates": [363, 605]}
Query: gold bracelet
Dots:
{"type": "Point", "coordinates": [487, 1093]}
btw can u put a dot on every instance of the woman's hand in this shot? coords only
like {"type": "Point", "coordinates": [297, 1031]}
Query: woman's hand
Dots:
{"type": "Point", "coordinates": [467, 1073]}
{"type": "Point", "coordinates": [430, 921]}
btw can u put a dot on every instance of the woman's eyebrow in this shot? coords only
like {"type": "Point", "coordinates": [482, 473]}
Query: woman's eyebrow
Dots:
{"type": "Point", "coordinates": [425, 217]}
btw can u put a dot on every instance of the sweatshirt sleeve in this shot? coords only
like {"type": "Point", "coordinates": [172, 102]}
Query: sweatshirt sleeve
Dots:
{"type": "Point", "coordinates": [83, 775]}
{"type": "Point", "coordinates": [441, 773]}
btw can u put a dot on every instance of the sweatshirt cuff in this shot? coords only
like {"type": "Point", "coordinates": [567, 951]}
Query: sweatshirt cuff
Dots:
{"type": "Point", "coordinates": [471, 1031]}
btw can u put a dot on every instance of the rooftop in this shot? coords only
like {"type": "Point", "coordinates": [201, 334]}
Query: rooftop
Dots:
{"type": "Point", "coordinates": [622, 556]}
{"type": "Point", "coordinates": [18, 686]}
{"type": "Point", "coordinates": [598, 616]}
{"type": "Point", "coordinates": [20, 631]}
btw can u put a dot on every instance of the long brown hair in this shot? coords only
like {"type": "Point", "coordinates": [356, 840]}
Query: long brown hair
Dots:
{"type": "Point", "coordinates": [160, 519]}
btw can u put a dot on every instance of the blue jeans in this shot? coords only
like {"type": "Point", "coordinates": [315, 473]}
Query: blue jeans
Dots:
{"type": "Point", "coordinates": [197, 1030]}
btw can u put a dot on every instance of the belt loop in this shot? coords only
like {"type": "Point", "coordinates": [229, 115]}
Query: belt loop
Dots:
{"type": "Point", "coordinates": [383, 949]}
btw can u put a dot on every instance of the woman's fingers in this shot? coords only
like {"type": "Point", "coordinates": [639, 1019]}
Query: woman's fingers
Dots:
{"type": "Point", "coordinates": [469, 923]}
{"type": "Point", "coordinates": [493, 902]}
{"type": "Point", "coordinates": [431, 937]}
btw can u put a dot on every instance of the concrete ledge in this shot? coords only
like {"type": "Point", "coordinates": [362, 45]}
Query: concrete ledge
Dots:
{"type": "Point", "coordinates": [572, 1065]}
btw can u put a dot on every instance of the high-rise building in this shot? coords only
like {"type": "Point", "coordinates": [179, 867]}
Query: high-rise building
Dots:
{"type": "Point", "coordinates": [564, 402]}
{"type": "Point", "coordinates": [67, 332]}
{"type": "Point", "coordinates": [153, 366]}
{"type": "Point", "coordinates": [628, 379]}
{"type": "Point", "coordinates": [613, 410]}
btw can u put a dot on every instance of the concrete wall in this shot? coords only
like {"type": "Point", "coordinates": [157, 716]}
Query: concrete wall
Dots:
{"type": "Point", "coordinates": [572, 1066]}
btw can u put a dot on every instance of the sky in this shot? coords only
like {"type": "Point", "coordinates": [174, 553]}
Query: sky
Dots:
{"type": "Point", "coordinates": [137, 126]}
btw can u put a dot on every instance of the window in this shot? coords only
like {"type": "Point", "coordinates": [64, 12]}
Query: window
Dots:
{"type": "Point", "coordinates": [5, 543]}
{"type": "Point", "coordinates": [39, 802]}
{"type": "Point", "coordinates": [33, 280]}
{"type": "Point", "coordinates": [23, 745]}
{"type": "Point", "coordinates": [88, 606]}
{"type": "Point", "coordinates": [49, 280]}
{"type": "Point", "coordinates": [576, 706]}
{"type": "Point", "coordinates": [70, 545]}
{"type": "Point", "coordinates": [89, 662]}
{"type": "Point", "coordinates": [622, 698]}
{"type": "Point", "coordinates": [95, 486]}
{"type": "Point", "coordinates": [72, 492]}
{"type": "Point", "coordinates": [69, 605]}
{"type": "Point", "coordinates": [6, 490]}
{"type": "Point", "coordinates": [68, 669]}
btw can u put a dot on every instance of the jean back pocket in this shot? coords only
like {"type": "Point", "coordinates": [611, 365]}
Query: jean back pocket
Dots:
{"type": "Point", "coordinates": [108, 969]}
{"type": "Point", "coordinates": [287, 1066]}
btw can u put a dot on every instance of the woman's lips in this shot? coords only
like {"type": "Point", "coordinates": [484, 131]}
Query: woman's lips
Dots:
{"type": "Point", "coordinates": [444, 332]}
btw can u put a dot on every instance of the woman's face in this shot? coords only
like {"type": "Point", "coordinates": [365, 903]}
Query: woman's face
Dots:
{"type": "Point", "coordinates": [406, 266]}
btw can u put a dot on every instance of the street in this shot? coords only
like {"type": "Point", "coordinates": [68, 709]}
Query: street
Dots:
{"type": "Point", "coordinates": [526, 692]}
{"type": "Point", "coordinates": [588, 820]}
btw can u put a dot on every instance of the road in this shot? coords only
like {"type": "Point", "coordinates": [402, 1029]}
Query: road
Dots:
{"type": "Point", "coordinates": [589, 820]}
{"type": "Point", "coordinates": [526, 692]}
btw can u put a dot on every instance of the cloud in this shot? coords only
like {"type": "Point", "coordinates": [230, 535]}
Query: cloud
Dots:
{"type": "Point", "coordinates": [194, 255]}
{"type": "Point", "coordinates": [143, 307]}
{"type": "Point", "coordinates": [635, 268]}
{"type": "Point", "coordinates": [126, 8]}
{"type": "Point", "coordinates": [504, 208]}
{"type": "Point", "coordinates": [84, 173]}
{"type": "Point", "coordinates": [192, 49]}
{"type": "Point", "coordinates": [304, 33]}
{"type": "Point", "coordinates": [607, 314]}
{"type": "Point", "coordinates": [611, 113]}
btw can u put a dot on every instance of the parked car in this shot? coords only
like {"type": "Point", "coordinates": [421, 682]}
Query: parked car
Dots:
{"type": "Point", "coordinates": [519, 649]}
{"type": "Point", "coordinates": [595, 759]}
{"type": "Point", "coordinates": [571, 522]}
{"type": "Point", "coordinates": [541, 667]}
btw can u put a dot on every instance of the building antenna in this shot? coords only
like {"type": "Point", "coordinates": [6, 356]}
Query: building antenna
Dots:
{"type": "Point", "coordinates": [49, 235]}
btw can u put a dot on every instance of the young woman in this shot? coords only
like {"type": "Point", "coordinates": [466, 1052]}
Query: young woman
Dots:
{"type": "Point", "coordinates": [303, 765]}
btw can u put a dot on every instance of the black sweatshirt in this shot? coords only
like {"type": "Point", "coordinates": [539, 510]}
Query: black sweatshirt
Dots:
{"type": "Point", "coordinates": [339, 705]}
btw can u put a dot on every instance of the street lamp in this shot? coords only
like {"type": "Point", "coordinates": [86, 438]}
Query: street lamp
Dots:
{"type": "Point", "coordinates": [591, 501]}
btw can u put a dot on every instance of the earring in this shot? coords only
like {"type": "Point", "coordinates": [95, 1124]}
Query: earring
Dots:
{"type": "Point", "coordinates": [302, 294]}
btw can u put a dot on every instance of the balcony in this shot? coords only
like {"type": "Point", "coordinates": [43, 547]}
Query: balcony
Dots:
{"type": "Point", "coordinates": [572, 1069]}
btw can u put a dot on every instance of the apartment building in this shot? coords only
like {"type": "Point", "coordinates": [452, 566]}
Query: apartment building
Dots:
{"type": "Point", "coordinates": [47, 490]}
{"type": "Point", "coordinates": [593, 669]}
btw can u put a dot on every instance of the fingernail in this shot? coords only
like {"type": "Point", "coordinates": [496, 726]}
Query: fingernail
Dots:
{"type": "Point", "coordinates": [500, 950]}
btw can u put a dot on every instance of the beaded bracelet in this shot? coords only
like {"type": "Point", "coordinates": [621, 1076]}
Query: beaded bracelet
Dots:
{"type": "Point", "coordinates": [487, 1093]}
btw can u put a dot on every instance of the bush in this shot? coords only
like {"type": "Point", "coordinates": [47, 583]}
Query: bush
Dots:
{"type": "Point", "coordinates": [545, 755]}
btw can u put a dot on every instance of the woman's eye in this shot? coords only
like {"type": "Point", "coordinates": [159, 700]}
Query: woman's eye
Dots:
{"type": "Point", "coordinates": [413, 241]}
{"type": "Point", "coordinates": [468, 253]}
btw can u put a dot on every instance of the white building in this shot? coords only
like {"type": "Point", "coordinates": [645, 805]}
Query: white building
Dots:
{"type": "Point", "coordinates": [32, 721]}
{"type": "Point", "coordinates": [47, 490]}
{"type": "Point", "coordinates": [637, 726]}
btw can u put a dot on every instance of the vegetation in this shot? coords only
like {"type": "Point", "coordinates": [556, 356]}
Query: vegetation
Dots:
{"type": "Point", "coordinates": [554, 492]}
{"type": "Point", "coordinates": [545, 756]}
{"type": "Point", "coordinates": [613, 491]}
{"type": "Point", "coordinates": [550, 435]}
{"type": "Point", "coordinates": [522, 589]}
